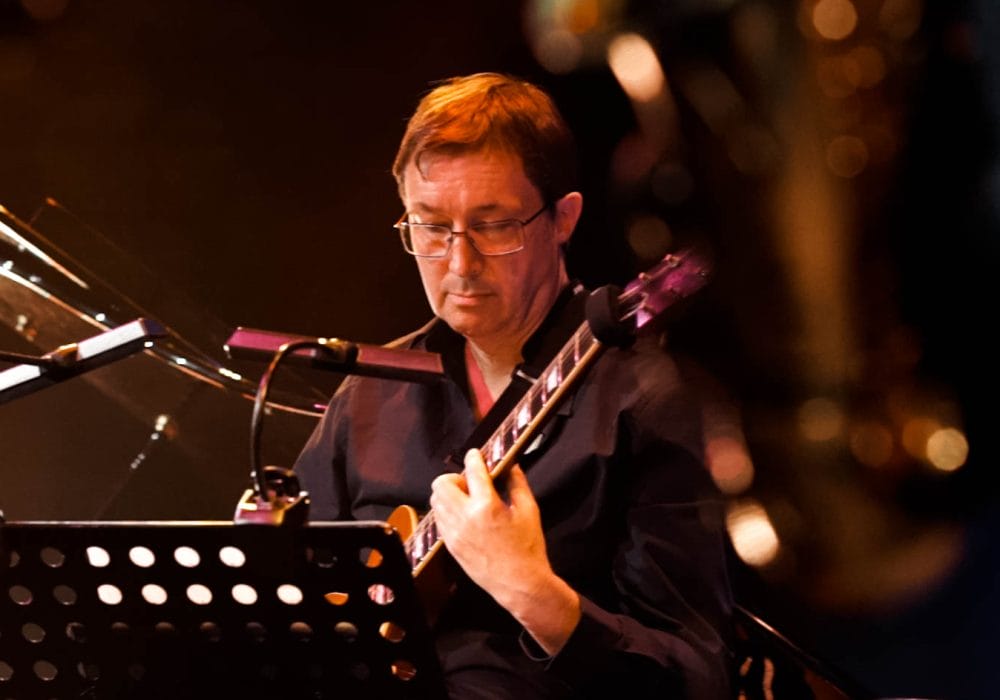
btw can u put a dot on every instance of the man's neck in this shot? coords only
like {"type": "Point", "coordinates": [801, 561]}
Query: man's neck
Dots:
{"type": "Point", "coordinates": [496, 365]}
{"type": "Point", "coordinates": [498, 356]}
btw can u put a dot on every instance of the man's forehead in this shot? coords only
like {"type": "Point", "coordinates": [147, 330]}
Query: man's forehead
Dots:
{"type": "Point", "coordinates": [442, 174]}
{"type": "Point", "coordinates": [429, 160]}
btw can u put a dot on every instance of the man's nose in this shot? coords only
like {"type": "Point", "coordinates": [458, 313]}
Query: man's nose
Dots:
{"type": "Point", "coordinates": [464, 260]}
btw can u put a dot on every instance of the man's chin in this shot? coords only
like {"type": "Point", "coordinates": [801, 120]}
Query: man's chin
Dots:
{"type": "Point", "coordinates": [467, 322]}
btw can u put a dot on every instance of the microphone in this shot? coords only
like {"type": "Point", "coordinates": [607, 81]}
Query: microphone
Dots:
{"type": "Point", "coordinates": [338, 355]}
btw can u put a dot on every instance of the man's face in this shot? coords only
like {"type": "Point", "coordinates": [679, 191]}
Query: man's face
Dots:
{"type": "Point", "coordinates": [488, 299]}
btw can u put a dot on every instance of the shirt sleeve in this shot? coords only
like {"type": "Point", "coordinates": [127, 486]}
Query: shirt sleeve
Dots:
{"type": "Point", "coordinates": [666, 622]}
{"type": "Point", "coordinates": [316, 465]}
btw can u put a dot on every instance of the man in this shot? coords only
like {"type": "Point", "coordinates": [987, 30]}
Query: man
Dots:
{"type": "Point", "coordinates": [599, 567]}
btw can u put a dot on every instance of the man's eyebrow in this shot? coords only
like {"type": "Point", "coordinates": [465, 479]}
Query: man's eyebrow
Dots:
{"type": "Point", "coordinates": [488, 208]}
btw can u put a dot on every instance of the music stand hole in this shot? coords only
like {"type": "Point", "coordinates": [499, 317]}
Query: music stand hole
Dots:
{"type": "Point", "coordinates": [211, 631]}
{"type": "Point", "coordinates": [20, 595]}
{"type": "Point", "coordinates": [289, 594]}
{"type": "Point", "coordinates": [300, 631]}
{"type": "Point", "coordinates": [336, 598]}
{"type": "Point", "coordinates": [165, 629]}
{"type": "Point", "coordinates": [120, 629]}
{"type": "Point", "coordinates": [391, 631]}
{"type": "Point", "coordinates": [233, 557]}
{"type": "Point", "coordinates": [75, 631]}
{"type": "Point", "coordinates": [52, 557]}
{"type": "Point", "coordinates": [98, 557]}
{"type": "Point", "coordinates": [45, 670]}
{"type": "Point", "coordinates": [154, 594]}
{"type": "Point", "coordinates": [199, 594]}
{"type": "Point", "coordinates": [256, 631]}
{"type": "Point", "coordinates": [321, 557]}
{"type": "Point", "coordinates": [370, 557]}
{"type": "Point", "coordinates": [64, 595]}
{"type": "Point", "coordinates": [244, 594]}
{"type": "Point", "coordinates": [32, 632]}
{"type": "Point", "coordinates": [109, 594]}
{"type": "Point", "coordinates": [6, 672]}
{"type": "Point", "coordinates": [13, 560]}
{"type": "Point", "coordinates": [187, 557]}
{"type": "Point", "coordinates": [381, 594]}
{"type": "Point", "coordinates": [346, 630]}
{"type": "Point", "coordinates": [142, 557]}
{"type": "Point", "coordinates": [89, 672]}
{"type": "Point", "coordinates": [360, 671]}
{"type": "Point", "coordinates": [136, 671]}
{"type": "Point", "coordinates": [404, 670]}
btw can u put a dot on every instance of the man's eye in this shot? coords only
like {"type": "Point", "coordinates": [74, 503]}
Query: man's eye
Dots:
{"type": "Point", "coordinates": [495, 227]}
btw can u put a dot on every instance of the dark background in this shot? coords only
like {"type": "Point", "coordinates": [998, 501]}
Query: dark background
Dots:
{"type": "Point", "coordinates": [233, 159]}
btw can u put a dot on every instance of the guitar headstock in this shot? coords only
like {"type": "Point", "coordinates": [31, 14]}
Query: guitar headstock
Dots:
{"type": "Point", "coordinates": [675, 277]}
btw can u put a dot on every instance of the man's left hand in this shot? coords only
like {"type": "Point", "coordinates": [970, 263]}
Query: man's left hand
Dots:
{"type": "Point", "coordinates": [501, 547]}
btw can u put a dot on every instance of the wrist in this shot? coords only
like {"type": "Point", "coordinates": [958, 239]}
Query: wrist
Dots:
{"type": "Point", "coordinates": [549, 612]}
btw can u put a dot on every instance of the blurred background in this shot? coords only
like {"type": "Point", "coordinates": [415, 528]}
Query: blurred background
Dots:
{"type": "Point", "coordinates": [225, 164]}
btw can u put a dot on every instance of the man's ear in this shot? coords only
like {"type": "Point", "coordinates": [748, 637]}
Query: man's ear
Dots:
{"type": "Point", "coordinates": [568, 210]}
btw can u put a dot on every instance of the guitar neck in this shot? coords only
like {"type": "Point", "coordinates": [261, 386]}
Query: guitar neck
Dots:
{"type": "Point", "coordinates": [521, 426]}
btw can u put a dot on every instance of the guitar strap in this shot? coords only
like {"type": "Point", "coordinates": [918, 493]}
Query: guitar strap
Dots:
{"type": "Point", "coordinates": [563, 320]}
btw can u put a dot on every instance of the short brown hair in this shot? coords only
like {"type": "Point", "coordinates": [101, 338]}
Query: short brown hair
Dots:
{"type": "Point", "coordinates": [492, 110]}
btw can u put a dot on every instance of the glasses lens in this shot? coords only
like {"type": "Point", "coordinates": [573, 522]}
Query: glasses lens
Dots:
{"type": "Point", "coordinates": [427, 240]}
{"type": "Point", "coordinates": [498, 237]}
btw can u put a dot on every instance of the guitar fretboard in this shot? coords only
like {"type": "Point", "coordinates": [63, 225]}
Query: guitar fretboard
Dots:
{"type": "Point", "coordinates": [520, 427]}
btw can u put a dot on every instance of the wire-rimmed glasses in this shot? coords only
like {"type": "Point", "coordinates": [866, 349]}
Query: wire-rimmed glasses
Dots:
{"type": "Point", "coordinates": [488, 237]}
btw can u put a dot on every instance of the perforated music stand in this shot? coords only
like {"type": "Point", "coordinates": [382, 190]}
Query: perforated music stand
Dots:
{"type": "Point", "coordinates": [210, 610]}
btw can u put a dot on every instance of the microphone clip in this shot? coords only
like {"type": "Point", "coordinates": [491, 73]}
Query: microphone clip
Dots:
{"type": "Point", "coordinates": [283, 502]}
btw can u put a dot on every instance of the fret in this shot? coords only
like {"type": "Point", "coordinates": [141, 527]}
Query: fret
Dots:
{"type": "Point", "coordinates": [553, 377]}
{"type": "Point", "coordinates": [537, 402]}
{"type": "Point", "coordinates": [506, 436]}
{"type": "Point", "coordinates": [430, 536]}
{"type": "Point", "coordinates": [496, 451]}
{"type": "Point", "coordinates": [523, 415]}
{"type": "Point", "coordinates": [566, 363]}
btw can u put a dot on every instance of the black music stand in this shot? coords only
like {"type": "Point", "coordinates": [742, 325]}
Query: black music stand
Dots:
{"type": "Point", "coordinates": [210, 610]}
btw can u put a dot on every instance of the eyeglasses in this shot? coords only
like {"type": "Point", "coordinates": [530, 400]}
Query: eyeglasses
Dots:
{"type": "Point", "coordinates": [489, 237]}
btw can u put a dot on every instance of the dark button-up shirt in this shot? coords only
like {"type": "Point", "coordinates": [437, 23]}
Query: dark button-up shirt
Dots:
{"type": "Point", "coordinates": [631, 518]}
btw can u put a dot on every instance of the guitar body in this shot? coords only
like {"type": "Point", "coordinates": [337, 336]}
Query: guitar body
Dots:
{"type": "Point", "coordinates": [434, 576]}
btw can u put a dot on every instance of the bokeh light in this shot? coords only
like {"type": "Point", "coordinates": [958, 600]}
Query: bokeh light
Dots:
{"type": "Point", "coordinates": [834, 19]}
{"type": "Point", "coordinates": [753, 536]}
{"type": "Point", "coordinates": [636, 67]}
{"type": "Point", "coordinates": [820, 419]}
